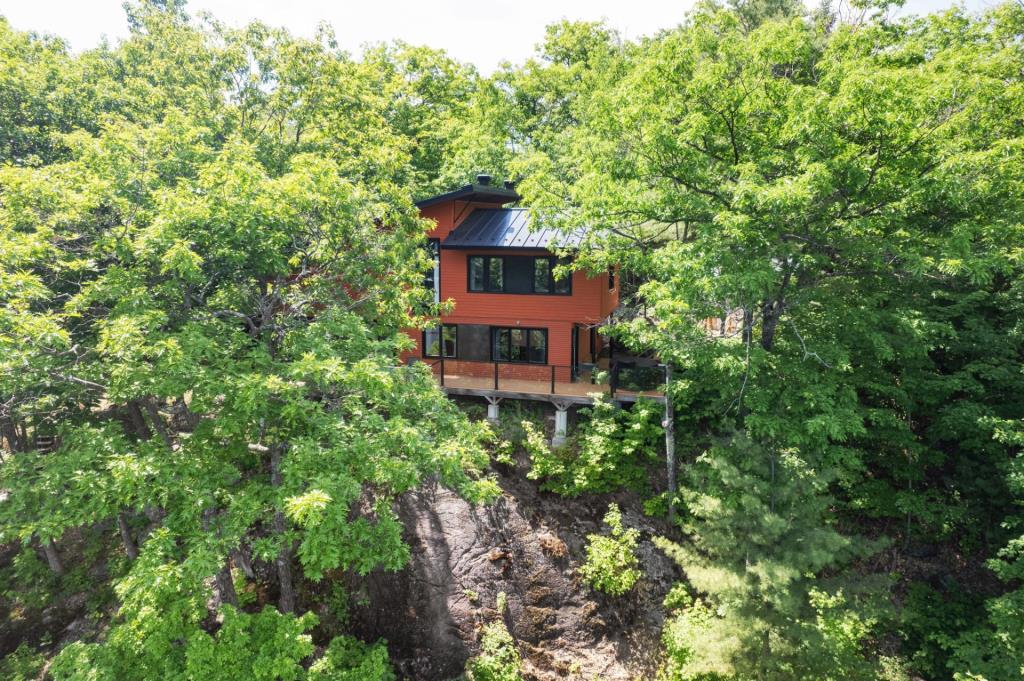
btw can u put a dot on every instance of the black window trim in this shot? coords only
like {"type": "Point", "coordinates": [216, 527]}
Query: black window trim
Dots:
{"type": "Point", "coordinates": [440, 342]}
{"type": "Point", "coordinates": [495, 330]}
{"type": "Point", "coordinates": [553, 261]}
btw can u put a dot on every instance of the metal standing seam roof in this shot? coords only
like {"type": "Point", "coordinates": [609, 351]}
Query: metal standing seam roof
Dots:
{"type": "Point", "coordinates": [507, 228]}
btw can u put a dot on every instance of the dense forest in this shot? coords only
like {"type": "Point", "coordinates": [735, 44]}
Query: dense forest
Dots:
{"type": "Point", "coordinates": [209, 250]}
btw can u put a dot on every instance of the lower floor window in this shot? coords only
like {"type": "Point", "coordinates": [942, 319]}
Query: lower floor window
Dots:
{"type": "Point", "coordinates": [519, 345]}
{"type": "Point", "coordinates": [443, 339]}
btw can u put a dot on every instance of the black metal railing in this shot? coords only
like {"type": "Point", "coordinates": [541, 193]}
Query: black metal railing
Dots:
{"type": "Point", "coordinates": [622, 376]}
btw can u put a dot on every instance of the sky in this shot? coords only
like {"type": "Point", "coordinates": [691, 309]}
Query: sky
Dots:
{"type": "Point", "coordinates": [484, 32]}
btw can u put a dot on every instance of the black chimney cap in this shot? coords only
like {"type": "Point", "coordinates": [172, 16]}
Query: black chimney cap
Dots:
{"type": "Point", "coordinates": [483, 179]}
{"type": "Point", "coordinates": [510, 184]}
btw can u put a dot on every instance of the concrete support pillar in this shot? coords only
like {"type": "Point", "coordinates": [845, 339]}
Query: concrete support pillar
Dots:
{"type": "Point", "coordinates": [492, 409]}
{"type": "Point", "coordinates": [561, 424]}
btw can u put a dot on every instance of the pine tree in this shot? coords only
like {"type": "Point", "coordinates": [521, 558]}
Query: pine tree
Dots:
{"type": "Point", "coordinates": [760, 537]}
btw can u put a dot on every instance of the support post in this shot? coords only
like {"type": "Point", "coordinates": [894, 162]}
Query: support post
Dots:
{"type": "Point", "coordinates": [561, 424]}
{"type": "Point", "coordinates": [670, 444]}
{"type": "Point", "coordinates": [492, 409]}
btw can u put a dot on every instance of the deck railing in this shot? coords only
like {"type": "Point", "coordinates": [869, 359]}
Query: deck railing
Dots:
{"type": "Point", "coordinates": [555, 378]}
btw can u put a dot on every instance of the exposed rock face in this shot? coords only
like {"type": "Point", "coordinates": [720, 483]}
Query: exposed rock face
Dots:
{"type": "Point", "coordinates": [526, 545]}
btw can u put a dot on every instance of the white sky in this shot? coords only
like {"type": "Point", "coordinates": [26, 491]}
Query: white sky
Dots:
{"type": "Point", "coordinates": [483, 32]}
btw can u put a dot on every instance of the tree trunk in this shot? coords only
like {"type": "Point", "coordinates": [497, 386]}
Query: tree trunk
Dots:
{"type": "Point", "coordinates": [138, 421]}
{"type": "Point", "coordinates": [771, 312]}
{"type": "Point", "coordinates": [10, 433]}
{"type": "Point", "coordinates": [225, 586]}
{"type": "Point", "coordinates": [24, 438]}
{"type": "Point", "coordinates": [670, 444]}
{"type": "Point", "coordinates": [158, 423]}
{"type": "Point", "coordinates": [748, 325]}
{"type": "Point", "coordinates": [286, 601]}
{"type": "Point", "coordinates": [52, 557]}
{"type": "Point", "coordinates": [242, 562]}
{"type": "Point", "coordinates": [126, 537]}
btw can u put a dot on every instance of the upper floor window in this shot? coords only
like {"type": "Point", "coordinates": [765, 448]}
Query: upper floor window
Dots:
{"type": "Point", "coordinates": [486, 273]}
{"type": "Point", "coordinates": [517, 274]}
{"type": "Point", "coordinates": [611, 277]}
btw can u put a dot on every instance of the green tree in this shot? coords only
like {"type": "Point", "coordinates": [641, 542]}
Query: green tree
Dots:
{"type": "Point", "coordinates": [759, 538]}
{"type": "Point", "coordinates": [845, 197]}
{"type": "Point", "coordinates": [994, 651]}
{"type": "Point", "coordinates": [201, 310]}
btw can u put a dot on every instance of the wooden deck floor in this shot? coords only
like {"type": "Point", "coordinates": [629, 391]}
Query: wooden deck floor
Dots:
{"type": "Point", "coordinates": [579, 392]}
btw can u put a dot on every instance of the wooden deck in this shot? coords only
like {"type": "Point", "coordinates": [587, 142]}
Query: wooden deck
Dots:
{"type": "Point", "coordinates": [514, 388]}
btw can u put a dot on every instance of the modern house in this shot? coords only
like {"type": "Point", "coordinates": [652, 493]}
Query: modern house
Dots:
{"type": "Point", "coordinates": [516, 326]}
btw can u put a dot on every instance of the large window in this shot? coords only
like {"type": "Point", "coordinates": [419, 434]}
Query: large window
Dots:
{"type": "Point", "coordinates": [519, 345]}
{"type": "Point", "coordinates": [517, 274]}
{"type": "Point", "coordinates": [441, 339]}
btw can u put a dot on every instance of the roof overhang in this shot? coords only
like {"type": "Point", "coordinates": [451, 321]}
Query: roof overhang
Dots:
{"type": "Point", "coordinates": [471, 247]}
{"type": "Point", "coordinates": [482, 193]}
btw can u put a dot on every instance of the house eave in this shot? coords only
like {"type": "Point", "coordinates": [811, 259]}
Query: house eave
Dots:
{"type": "Point", "coordinates": [473, 192]}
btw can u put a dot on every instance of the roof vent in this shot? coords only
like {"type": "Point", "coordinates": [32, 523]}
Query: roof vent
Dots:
{"type": "Point", "coordinates": [510, 185]}
{"type": "Point", "coordinates": [483, 180]}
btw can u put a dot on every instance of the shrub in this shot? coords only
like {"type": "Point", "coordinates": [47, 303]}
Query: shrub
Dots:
{"type": "Point", "coordinates": [612, 565]}
{"type": "Point", "coordinates": [23, 664]}
{"type": "Point", "coordinates": [610, 450]}
{"type": "Point", "coordinates": [517, 418]}
{"type": "Point", "coordinates": [349, 659]}
{"type": "Point", "coordinates": [498, 659]}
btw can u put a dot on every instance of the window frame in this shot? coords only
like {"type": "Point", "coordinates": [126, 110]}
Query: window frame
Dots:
{"type": "Point", "coordinates": [555, 262]}
{"type": "Point", "coordinates": [483, 273]}
{"type": "Point", "coordinates": [528, 330]}
{"type": "Point", "coordinates": [486, 273]}
{"type": "Point", "coordinates": [440, 342]}
{"type": "Point", "coordinates": [553, 284]}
